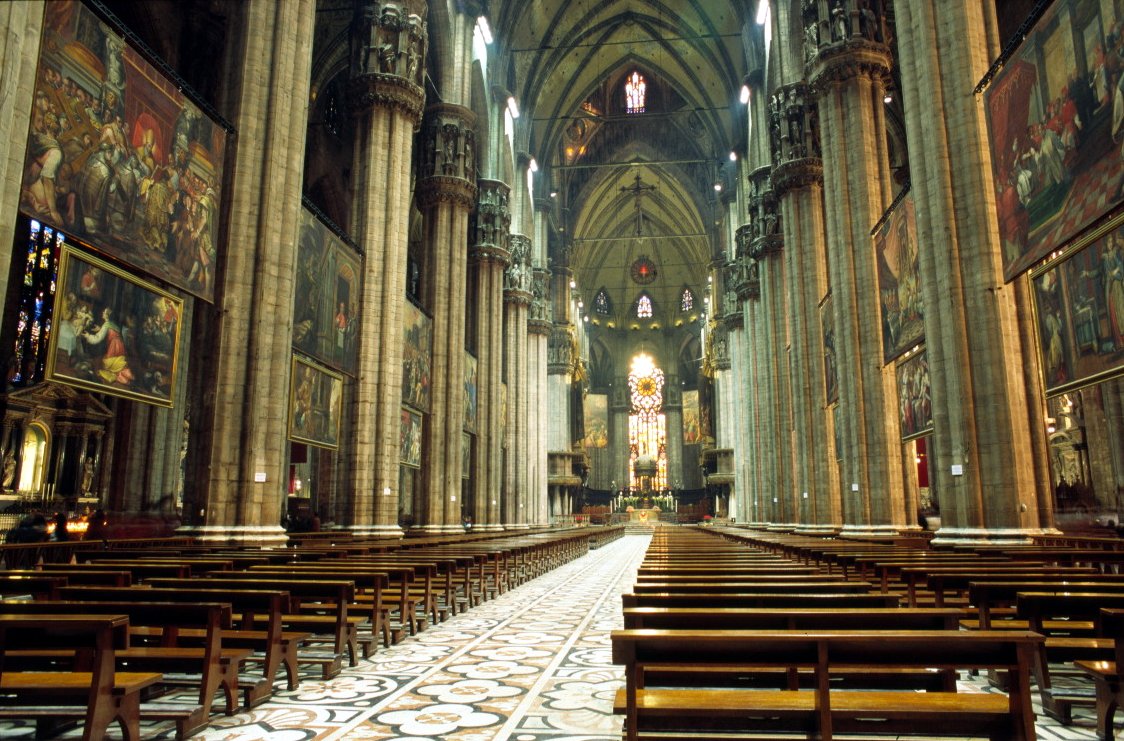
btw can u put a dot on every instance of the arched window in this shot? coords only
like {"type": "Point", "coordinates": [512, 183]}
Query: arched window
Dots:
{"type": "Point", "coordinates": [601, 303]}
{"type": "Point", "coordinates": [644, 307]}
{"type": "Point", "coordinates": [686, 300]}
{"type": "Point", "coordinates": [647, 425]}
{"type": "Point", "coordinates": [634, 93]}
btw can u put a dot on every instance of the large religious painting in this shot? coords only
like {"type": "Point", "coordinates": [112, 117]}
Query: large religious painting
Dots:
{"type": "Point", "coordinates": [596, 409]}
{"type": "Point", "coordinates": [830, 366]}
{"type": "Point", "coordinates": [118, 156]}
{"type": "Point", "coordinates": [315, 399]}
{"type": "Point", "coordinates": [114, 333]}
{"type": "Point", "coordinates": [914, 397]}
{"type": "Point", "coordinates": [466, 455]}
{"type": "Point", "coordinates": [416, 362]}
{"type": "Point", "coordinates": [410, 438]}
{"type": "Point", "coordinates": [325, 306]}
{"type": "Point", "coordinates": [470, 404]}
{"type": "Point", "coordinates": [899, 280]}
{"type": "Point", "coordinates": [1079, 311]}
{"type": "Point", "coordinates": [1055, 115]}
{"type": "Point", "coordinates": [692, 431]}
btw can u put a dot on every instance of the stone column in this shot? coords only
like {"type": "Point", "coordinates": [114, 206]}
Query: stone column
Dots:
{"type": "Point", "coordinates": [983, 457]}
{"type": "Point", "coordinates": [847, 70]}
{"type": "Point", "coordinates": [247, 424]}
{"type": "Point", "coordinates": [539, 326]}
{"type": "Point", "coordinates": [619, 408]}
{"type": "Point", "coordinates": [19, 54]}
{"type": "Point", "coordinates": [772, 345]}
{"type": "Point", "coordinates": [673, 420]}
{"type": "Point", "coordinates": [388, 42]}
{"type": "Point", "coordinates": [745, 284]}
{"type": "Point", "coordinates": [491, 255]}
{"type": "Point", "coordinates": [446, 195]}
{"type": "Point", "coordinates": [798, 182]}
{"type": "Point", "coordinates": [517, 302]}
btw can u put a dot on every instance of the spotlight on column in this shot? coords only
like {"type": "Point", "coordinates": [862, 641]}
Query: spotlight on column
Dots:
{"type": "Point", "coordinates": [512, 106]}
{"type": "Point", "coordinates": [733, 156]}
{"type": "Point", "coordinates": [485, 29]}
{"type": "Point", "coordinates": [762, 12]}
{"type": "Point", "coordinates": [533, 166]}
{"type": "Point", "coordinates": [718, 187]}
{"type": "Point", "coordinates": [743, 95]}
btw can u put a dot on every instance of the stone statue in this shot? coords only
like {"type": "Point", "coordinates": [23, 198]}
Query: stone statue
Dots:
{"type": "Point", "coordinates": [87, 475]}
{"type": "Point", "coordinates": [9, 469]}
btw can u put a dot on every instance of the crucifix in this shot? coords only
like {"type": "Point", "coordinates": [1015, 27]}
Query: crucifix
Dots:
{"type": "Point", "coordinates": [637, 190]}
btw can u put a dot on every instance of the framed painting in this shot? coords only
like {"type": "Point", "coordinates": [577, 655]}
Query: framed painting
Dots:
{"type": "Point", "coordinates": [1079, 313]}
{"type": "Point", "coordinates": [470, 397]}
{"type": "Point", "coordinates": [416, 358]}
{"type": "Point", "coordinates": [114, 333]}
{"type": "Point", "coordinates": [1055, 133]}
{"type": "Point", "coordinates": [119, 157]}
{"type": "Point", "coordinates": [596, 412]}
{"type": "Point", "coordinates": [692, 432]}
{"type": "Point", "coordinates": [899, 280]}
{"type": "Point", "coordinates": [410, 438]}
{"type": "Point", "coordinates": [315, 399]}
{"type": "Point", "coordinates": [914, 397]}
{"type": "Point", "coordinates": [466, 455]}
{"type": "Point", "coordinates": [325, 305]}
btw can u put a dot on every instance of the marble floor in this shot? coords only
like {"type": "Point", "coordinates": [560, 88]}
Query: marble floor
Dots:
{"type": "Point", "coordinates": [530, 665]}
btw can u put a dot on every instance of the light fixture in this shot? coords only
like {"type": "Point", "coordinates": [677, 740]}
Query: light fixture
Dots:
{"type": "Point", "coordinates": [710, 279]}
{"type": "Point", "coordinates": [573, 284]}
{"type": "Point", "coordinates": [581, 305]}
{"type": "Point", "coordinates": [512, 106]}
{"type": "Point", "coordinates": [533, 165]}
{"type": "Point", "coordinates": [553, 194]}
{"type": "Point", "coordinates": [718, 187]}
{"type": "Point", "coordinates": [888, 99]}
{"type": "Point", "coordinates": [733, 156]}
{"type": "Point", "coordinates": [743, 95]}
{"type": "Point", "coordinates": [485, 29]}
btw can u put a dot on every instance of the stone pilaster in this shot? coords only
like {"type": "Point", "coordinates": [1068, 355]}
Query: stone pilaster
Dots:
{"type": "Point", "coordinates": [446, 196]}
{"type": "Point", "coordinates": [388, 43]}
{"type": "Point", "coordinates": [848, 73]}
{"type": "Point", "coordinates": [517, 297]}
{"type": "Point", "coordinates": [491, 255]}
{"type": "Point", "coordinates": [747, 289]}
{"type": "Point", "coordinates": [539, 326]}
{"type": "Point", "coordinates": [247, 424]}
{"type": "Point", "coordinates": [19, 53]}
{"type": "Point", "coordinates": [984, 469]}
{"type": "Point", "coordinates": [798, 182]}
{"type": "Point", "coordinates": [775, 503]}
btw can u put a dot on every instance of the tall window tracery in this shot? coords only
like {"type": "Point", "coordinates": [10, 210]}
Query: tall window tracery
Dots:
{"type": "Point", "coordinates": [644, 307]}
{"type": "Point", "coordinates": [647, 425]}
{"type": "Point", "coordinates": [687, 300]}
{"type": "Point", "coordinates": [601, 303]}
{"type": "Point", "coordinates": [635, 90]}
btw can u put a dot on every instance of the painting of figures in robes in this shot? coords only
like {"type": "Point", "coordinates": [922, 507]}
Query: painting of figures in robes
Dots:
{"type": "Point", "coordinates": [914, 397]}
{"type": "Point", "coordinates": [410, 438]}
{"type": "Point", "coordinates": [470, 391]}
{"type": "Point", "coordinates": [596, 409]}
{"type": "Point", "coordinates": [315, 404]}
{"type": "Point", "coordinates": [1055, 115]}
{"type": "Point", "coordinates": [899, 281]}
{"type": "Point", "coordinates": [326, 300]}
{"type": "Point", "coordinates": [692, 431]}
{"type": "Point", "coordinates": [1079, 312]}
{"type": "Point", "coordinates": [114, 333]}
{"type": "Point", "coordinates": [416, 357]}
{"type": "Point", "coordinates": [119, 157]}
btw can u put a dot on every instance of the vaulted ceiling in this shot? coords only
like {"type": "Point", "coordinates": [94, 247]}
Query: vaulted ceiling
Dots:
{"type": "Point", "coordinates": [566, 62]}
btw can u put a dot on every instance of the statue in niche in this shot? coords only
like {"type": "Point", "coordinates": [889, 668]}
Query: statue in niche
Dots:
{"type": "Point", "coordinates": [469, 162]}
{"type": "Point", "coordinates": [449, 140]}
{"type": "Point", "coordinates": [9, 469]}
{"type": "Point", "coordinates": [87, 475]}
{"type": "Point", "coordinates": [839, 23]}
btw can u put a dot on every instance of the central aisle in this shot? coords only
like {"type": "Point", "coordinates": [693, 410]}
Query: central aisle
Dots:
{"type": "Point", "coordinates": [532, 664]}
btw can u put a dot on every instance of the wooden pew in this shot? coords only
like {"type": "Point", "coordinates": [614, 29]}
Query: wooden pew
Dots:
{"type": "Point", "coordinates": [213, 667]}
{"type": "Point", "coordinates": [39, 586]}
{"type": "Point", "coordinates": [760, 600]}
{"type": "Point", "coordinates": [823, 711]}
{"type": "Point", "coordinates": [98, 696]}
{"type": "Point", "coordinates": [74, 577]}
{"type": "Point", "coordinates": [1105, 673]}
{"type": "Point", "coordinates": [718, 585]}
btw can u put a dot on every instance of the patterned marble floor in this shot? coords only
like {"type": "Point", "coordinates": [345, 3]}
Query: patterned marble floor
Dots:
{"type": "Point", "coordinates": [531, 665]}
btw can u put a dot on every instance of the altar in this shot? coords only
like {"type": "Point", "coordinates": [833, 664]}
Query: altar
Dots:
{"type": "Point", "coordinates": [644, 515]}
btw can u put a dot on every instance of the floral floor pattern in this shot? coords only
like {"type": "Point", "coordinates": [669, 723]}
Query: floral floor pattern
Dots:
{"type": "Point", "coordinates": [530, 665]}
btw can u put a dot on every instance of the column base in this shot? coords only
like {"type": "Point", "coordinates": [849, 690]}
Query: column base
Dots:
{"type": "Point", "coordinates": [262, 536]}
{"type": "Point", "coordinates": [779, 527]}
{"type": "Point", "coordinates": [871, 530]}
{"type": "Point", "coordinates": [519, 526]}
{"type": "Point", "coordinates": [822, 531]}
{"type": "Point", "coordinates": [423, 530]}
{"type": "Point", "coordinates": [375, 531]}
{"type": "Point", "coordinates": [493, 528]}
{"type": "Point", "coordinates": [991, 536]}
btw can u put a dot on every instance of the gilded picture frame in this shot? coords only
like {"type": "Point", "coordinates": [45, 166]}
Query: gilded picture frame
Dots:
{"type": "Point", "coordinates": [315, 404]}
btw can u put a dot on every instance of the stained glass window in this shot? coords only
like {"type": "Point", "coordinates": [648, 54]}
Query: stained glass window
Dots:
{"type": "Point", "coordinates": [687, 300]}
{"type": "Point", "coordinates": [634, 90]}
{"type": "Point", "coordinates": [644, 306]}
{"type": "Point", "coordinates": [36, 303]}
{"type": "Point", "coordinates": [647, 425]}
{"type": "Point", "coordinates": [601, 303]}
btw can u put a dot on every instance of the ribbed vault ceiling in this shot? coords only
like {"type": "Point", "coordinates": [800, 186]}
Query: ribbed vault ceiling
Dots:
{"type": "Point", "coordinates": [566, 63]}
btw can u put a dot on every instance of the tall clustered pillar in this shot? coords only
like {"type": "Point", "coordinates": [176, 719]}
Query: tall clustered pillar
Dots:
{"type": "Point", "coordinates": [490, 253]}
{"type": "Point", "coordinates": [388, 97]}
{"type": "Point", "coordinates": [517, 298]}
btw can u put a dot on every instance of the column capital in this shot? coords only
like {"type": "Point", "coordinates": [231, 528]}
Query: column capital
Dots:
{"type": "Point", "coordinates": [517, 278]}
{"type": "Point", "coordinates": [388, 41]}
{"type": "Point", "coordinates": [540, 321]}
{"type": "Point", "coordinates": [840, 28]}
{"type": "Point", "coordinates": [490, 224]}
{"type": "Point", "coordinates": [448, 161]}
{"type": "Point", "coordinates": [561, 350]}
{"type": "Point", "coordinates": [765, 219]}
{"type": "Point", "coordinates": [795, 138]}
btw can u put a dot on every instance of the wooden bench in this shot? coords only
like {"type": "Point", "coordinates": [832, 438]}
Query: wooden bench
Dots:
{"type": "Point", "coordinates": [211, 667]}
{"type": "Point", "coordinates": [765, 599]}
{"type": "Point", "coordinates": [1105, 673]}
{"type": "Point", "coordinates": [823, 711]}
{"type": "Point", "coordinates": [98, 696]}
